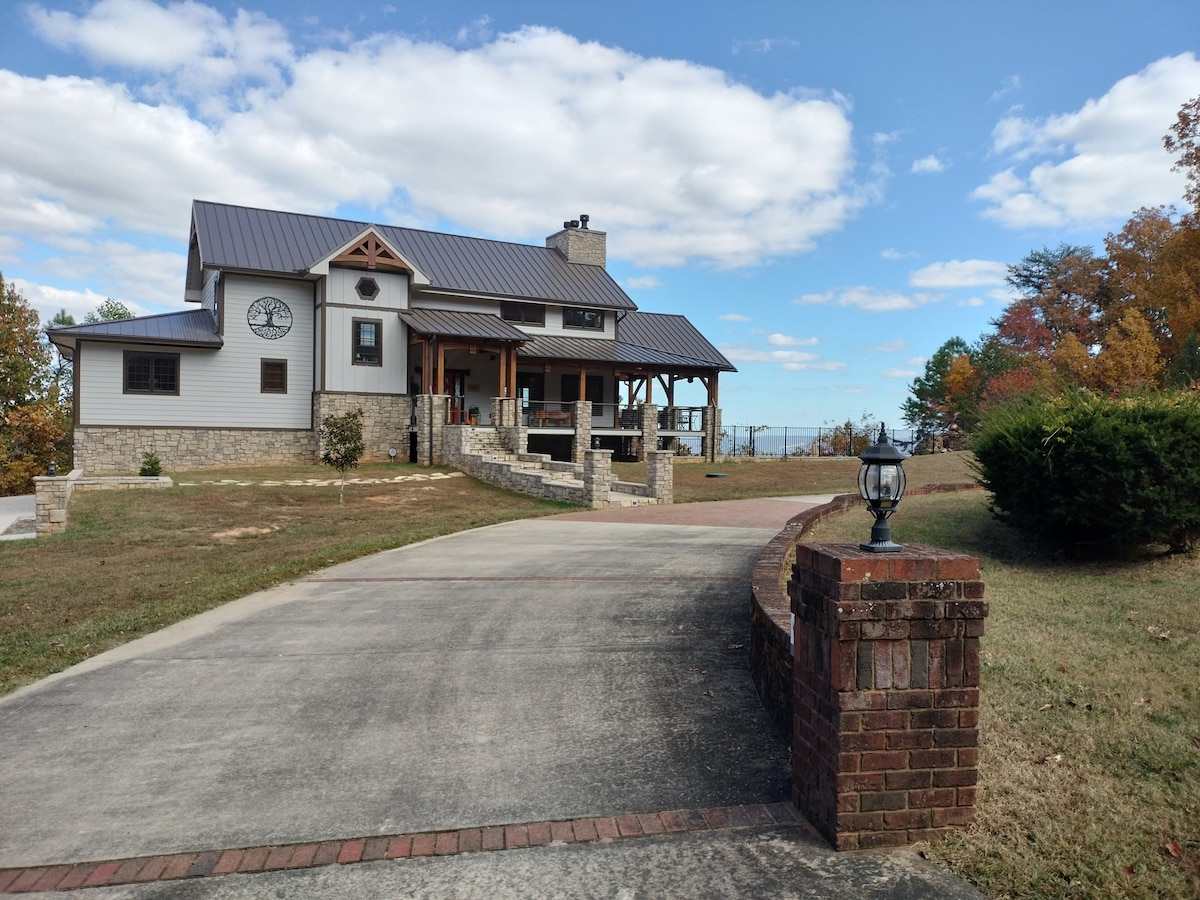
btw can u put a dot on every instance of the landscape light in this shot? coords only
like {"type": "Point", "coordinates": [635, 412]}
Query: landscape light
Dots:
{"type": "Point", "coordinates": [881, 483]}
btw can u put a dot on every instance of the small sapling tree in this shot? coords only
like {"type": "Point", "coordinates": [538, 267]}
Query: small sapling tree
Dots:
{"type": "Point", "coordinates": [342, 438]}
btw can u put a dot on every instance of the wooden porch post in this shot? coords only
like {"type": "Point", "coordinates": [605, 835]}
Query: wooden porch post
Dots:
{"type": "Point", "coordinates": [512, 371]}
{"type": "Point", "coordinates": [582, 381]}
{"type": "Point", "coordinates": [440, 387]}
{"type": "Point", "coordinates": [649, 388]}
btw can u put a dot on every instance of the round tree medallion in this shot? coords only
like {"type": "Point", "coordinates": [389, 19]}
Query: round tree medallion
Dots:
{"type": "Point", "coordinates": [269, 318]}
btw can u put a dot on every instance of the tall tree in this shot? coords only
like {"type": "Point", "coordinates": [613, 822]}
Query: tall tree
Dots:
{"type": "Point", "coordinates": [109, 310]}
{"type": "Point", "coordinates": [24, 358]}
{"type": "Point", "coordinates": [61, 370]}
{"type": "Point", "coordinates": [929, 409]}
{"type": "Point", "coordinates": [1184, 139]}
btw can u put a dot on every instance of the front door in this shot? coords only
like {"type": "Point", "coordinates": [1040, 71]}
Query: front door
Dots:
{"type": "Point", "coordinates": [456, 389]}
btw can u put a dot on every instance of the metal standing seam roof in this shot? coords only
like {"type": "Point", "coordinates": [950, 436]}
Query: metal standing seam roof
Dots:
{"type": "Point", "coordinates": [671, 333]}
{"type": "Point", "coordinates": [271, 242]}
{"type": "Point", "coordinates": [604, 351]}
{"type": "Point", "coordinates": [191, 328]}
{"type": "Point", "coordinates": [443, 323]}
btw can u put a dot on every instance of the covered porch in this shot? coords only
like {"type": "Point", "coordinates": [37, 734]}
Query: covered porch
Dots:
{"type": "Point", "coordinates": [613, 394]}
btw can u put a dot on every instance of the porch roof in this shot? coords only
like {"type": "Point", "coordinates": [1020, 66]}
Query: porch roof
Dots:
{"type": "Point", "coordinates": [192, 328]}
{"type": "Point", "coordinates": [603, 351]}
{"type": "Point", "coordinates": [477, 326]}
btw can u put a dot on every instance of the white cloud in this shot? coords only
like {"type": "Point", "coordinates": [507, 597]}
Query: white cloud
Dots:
{"type": "Point", "coordinates": [971, 301]}
{"type": "Point", "coordinates": [897, 346]}
{"type": "Point", "coordinates": [959, 273]}
{"type": "Point", "coordinates": [48, 301]}
{"type": "Point", "coordinates": [743, 354]}
{"type": "Point", "coordinates": [642, 282]}
{"type": "Point", "coordinates": [905, 374]}
{"type": "Point", "coordinates": [869, 299]}
{"type": "Point", "coordinates": [813, 367]}
{"type": "Point", "coordinates": [784, 340]}
{"type": "Point", "coordinates": [1096, 164]}
{"type": "Point", "coordinates": [227, 108]}
{"type": "Point", "coordinates": [893, 254]}
{"type": "Point", "coordinates": [928, 165]}
{"type": "Point", "coordinates": [1009, 85]}
{"type": "Point", "coordinates": [733, 317]}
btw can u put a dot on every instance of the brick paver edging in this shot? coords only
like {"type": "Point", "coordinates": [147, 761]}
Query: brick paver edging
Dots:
{"type": "Point", "coordinates": [177, 866]}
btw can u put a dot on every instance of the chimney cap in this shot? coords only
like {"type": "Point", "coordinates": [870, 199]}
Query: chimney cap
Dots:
{"type": "Point", "coordinates": [584, 218]}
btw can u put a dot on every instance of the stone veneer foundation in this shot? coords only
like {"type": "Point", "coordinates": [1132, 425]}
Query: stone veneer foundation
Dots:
{"type": "Point", "coordinates": [113, 449]}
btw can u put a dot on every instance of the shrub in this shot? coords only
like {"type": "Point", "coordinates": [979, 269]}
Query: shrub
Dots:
{"type": "Point", "coordinates": [342, 439]}
{"type": "Point", "coordinates": [151, 464]}
{"type": "Point", "coordinates": [1082, 469]}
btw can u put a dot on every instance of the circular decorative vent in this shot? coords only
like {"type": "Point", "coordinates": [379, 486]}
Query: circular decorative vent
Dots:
{"type": "Point", "coordinates": [269, 318]}
{"type": "Point", "coordinates": [367, 288]}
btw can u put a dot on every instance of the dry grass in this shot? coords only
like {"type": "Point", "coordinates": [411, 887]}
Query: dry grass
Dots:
{"type": "Point", "coordinates": [1090, 719]}
{"type": "Point", "coordinates": [131, 562]}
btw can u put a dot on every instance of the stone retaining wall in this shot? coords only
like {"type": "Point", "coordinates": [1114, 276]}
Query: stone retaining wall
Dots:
{"type": "Point", "coordinates": [53, 494]}
{"type": "Point", "coordinates": [111, 450]}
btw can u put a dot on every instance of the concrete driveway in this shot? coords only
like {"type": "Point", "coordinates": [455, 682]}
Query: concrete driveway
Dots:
{"type": "Point", "coordinates": [584, 667]}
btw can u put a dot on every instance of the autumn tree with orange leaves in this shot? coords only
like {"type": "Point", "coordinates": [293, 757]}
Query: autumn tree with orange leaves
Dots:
{"type": "Point", "coordinates": [1124, 322]}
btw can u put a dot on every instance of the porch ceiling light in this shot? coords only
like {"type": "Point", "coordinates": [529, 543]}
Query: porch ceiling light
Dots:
{"type": "Point", "coordinates": [881, 483]}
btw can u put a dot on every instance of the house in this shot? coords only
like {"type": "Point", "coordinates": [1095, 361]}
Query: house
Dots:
{"type": "Point", "coordinates": [300, 316]}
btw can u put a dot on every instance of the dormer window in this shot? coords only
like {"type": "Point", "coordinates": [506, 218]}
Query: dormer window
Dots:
{"type": "Point", "coordinates": [574, 317]}
{"type": "Point", "coordinates": [367, 288]}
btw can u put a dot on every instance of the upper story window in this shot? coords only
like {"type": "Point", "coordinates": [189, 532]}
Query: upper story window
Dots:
{"type": "Point", "coordinates": [151, 373]}
{"type": "Point", "coordinates": [525, 313]}
{"type": "Point", "coordinates": [573, 317]}
{"type": "Point", "coordinates": [367, 288]}
{"type": "Point", "coordinates": [368, 342]}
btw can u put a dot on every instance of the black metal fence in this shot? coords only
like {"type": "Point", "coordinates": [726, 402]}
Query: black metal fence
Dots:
{"type": "Point", "coordinates": [780, 443]}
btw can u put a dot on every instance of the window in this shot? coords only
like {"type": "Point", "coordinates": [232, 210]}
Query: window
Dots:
{"type": "Point", "coordinates": [367, 288]}
{"type": "Point", "coordinates": [273, 377]}
{"type": "Point", "coordinates": [583, 318]}
{"type": "Point", "coordinates": [151, 373]}
{"type": "Point", "coordinates": [368, 343]}
{"type": "Point", "coordinates": [525, 313]}
{"type": "Point", "coordinates": [594, 388]}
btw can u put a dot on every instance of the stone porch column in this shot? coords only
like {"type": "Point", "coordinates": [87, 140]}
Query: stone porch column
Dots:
{"type": "Point", "coordinates": [710, 444]}
{"type": "Point", "coordinates": [649, 426]}
{"type": "Point", "coordinates": [431, 416]}
{"type": "Point", "coordinates": [581, 418]}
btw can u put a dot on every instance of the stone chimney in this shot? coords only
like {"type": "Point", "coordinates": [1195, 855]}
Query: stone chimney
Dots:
{"type": "Point", "coordinates": [580, 244]}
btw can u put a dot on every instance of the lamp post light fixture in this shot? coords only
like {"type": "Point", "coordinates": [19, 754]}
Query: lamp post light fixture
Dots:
{"type": "Point", "coordinates": [881, 483]}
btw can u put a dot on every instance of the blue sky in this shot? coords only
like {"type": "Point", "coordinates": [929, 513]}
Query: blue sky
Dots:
{"type": "Point", "coordinates": [828, 191]}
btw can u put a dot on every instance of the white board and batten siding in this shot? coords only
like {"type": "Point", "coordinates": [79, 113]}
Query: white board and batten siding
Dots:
{"type": "Point", "coordinates": [342, 306]}
{"type": "Point", "coordinates": [217, 388]}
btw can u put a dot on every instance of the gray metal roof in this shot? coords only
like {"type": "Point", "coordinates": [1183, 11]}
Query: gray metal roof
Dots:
{"type": "Point", "coordinates": [605, 351]}
{"type": "Point", "coordinates": [258, 240]}
{"type": "Point", "coordinates": [673, 334]}
{"type": "Point", "coordinates": [443, 323]}
{"type": "Point", "coordinates": [192, 328]}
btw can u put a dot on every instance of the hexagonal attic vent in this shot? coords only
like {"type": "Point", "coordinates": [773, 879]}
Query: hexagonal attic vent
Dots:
{"type": "Point", "coordinates": [367, 288]}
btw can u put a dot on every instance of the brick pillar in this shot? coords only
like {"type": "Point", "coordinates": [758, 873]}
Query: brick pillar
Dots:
{"type": "Point", "coordinates": [581, 418]}
{"type": "Point", "coordinates": [886, 692]}
{"type": "Point", "coordinates": [660, 475]}
{"type": "Point", "coordinates": [597, 478]}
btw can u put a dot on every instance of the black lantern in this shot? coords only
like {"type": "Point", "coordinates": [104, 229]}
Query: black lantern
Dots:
{"type": "Point", "coordinates": [881, 484]}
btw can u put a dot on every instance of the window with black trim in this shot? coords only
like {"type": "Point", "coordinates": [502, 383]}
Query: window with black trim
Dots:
{"type": "Point", "coordinates": [368, 342]}
{"type": "Point", "coordinates": [573, 317]}
{"type": "Point", "coordinates": [151, 373]}
{"type": "Point", "coordinates": [273, 376]}
{"type": "Point", "coordinates": [593, 388]}
{"type": "Point", "coordinates": [524, 313]}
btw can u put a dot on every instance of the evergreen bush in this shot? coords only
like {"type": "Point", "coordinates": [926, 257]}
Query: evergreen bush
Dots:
{"type": "Point", "coordinates": [151, 464]}
{"type": "Point", "coordinates": [1082, 469]}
